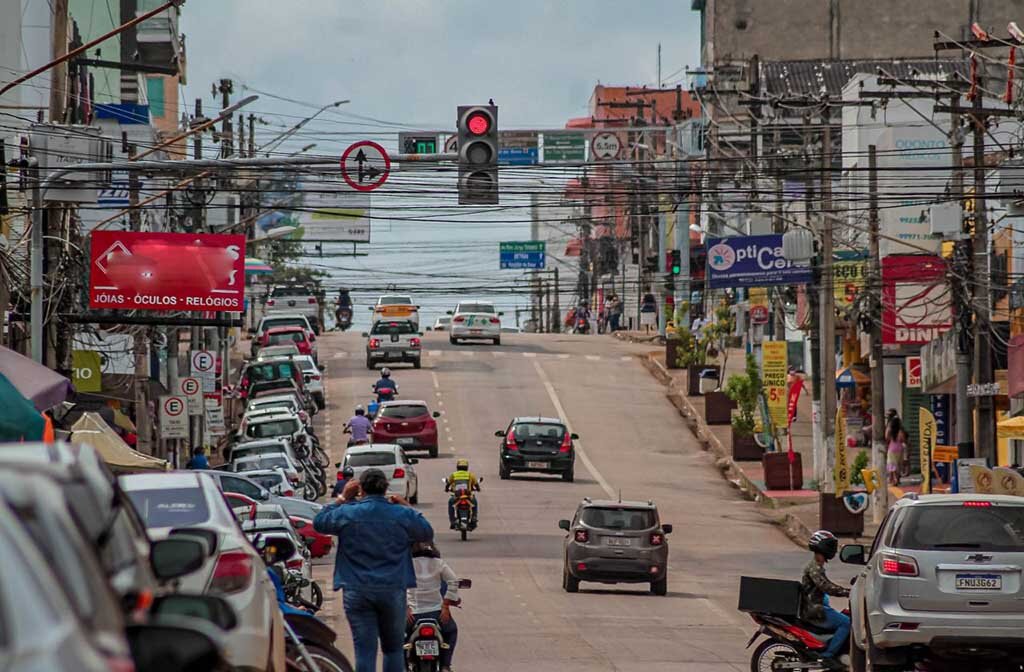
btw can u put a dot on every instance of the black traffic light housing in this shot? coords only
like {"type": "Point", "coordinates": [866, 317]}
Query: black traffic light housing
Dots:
{"type": "Point", "coordinates": [675, 262]}
{"type": "Point", "coordinates": [478, 154]}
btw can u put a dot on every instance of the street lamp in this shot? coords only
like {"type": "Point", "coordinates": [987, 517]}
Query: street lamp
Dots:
{"type": "Point", "coordinates": [304, 149]}
{"type": "Point", "coordinates": [291, 131]}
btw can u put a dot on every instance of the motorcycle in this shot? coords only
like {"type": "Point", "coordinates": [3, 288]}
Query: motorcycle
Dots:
{"type": "Point", "coordinates": [792, 645]}
{"type": "Point", "coordinates": [464, 522]}
{"type": "Point", "coordinates": [424, 642]}
{"type": "Point", "coordinates": [343, 316]}
{"type": "Point", "coordinates": [385, 395]}
{"type": "Point", "coordinates": [581, 325]}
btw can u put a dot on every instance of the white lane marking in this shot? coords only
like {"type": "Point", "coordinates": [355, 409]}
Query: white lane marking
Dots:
{"type": "Point", "coordinates": [529, 354]}
{"type": "Point", "coordinates": [433, 353]}
{"type": "Point", "coordinates": [593, 358]}
{"type": "Point", "coordinates": [579, 445]}
{"type": "Point", "coordinates": [339, 355]}
{"type": "Point", "coordinates": [498, 354]}
{"type": "Point", "coordinates": [564, 355]}
{"type": "Point", "coordinates": [626, 358]}
{"type": "Point", "coordinates": [468, 353]}
{"type": "Point", "coordinates": [437, 383]}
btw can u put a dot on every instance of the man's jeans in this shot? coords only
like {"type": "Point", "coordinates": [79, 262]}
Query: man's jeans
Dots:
{"type": "Point", "coordinates": [451, 509]}
{"type": "Point", "coordinates": [840, 624]}
{"type": "Point", "coordinates": [449, 630]}
{"type": "Point", "coordinates": [373, 615]}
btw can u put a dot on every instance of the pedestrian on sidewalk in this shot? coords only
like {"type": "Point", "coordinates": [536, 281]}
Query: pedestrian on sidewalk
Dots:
{"type": "Point", "coordinates": [894, 446]}
{"type": "Point", "coordinates": [615, 312]}
{"type": "Point", "coordinates": [373, 566]}
{"type": "Point", "coordinates": [648, 311]}
{"type": "Point", "coordinates": [436, 592]}
{"type": "Point", "coordinates": [198, 459]}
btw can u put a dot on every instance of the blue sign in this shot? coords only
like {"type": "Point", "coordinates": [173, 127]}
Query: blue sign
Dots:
{"type": "Point", "coordinates": [752, 261]}
{"type": "Point", "coordinates": [528, 254]}
{"type": "Point", "coordinates": [940, 409]}
{"type": "Point", "coordinates": [518, 156]}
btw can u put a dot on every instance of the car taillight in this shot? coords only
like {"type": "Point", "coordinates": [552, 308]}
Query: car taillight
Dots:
{"type": "Point", "coordinates": [270, 302]}
{"type": "Point", "coordinates": [115, 664]}
{"type": "Point", "coordinates": [374, 343]}
{"type": "Point", "coordinates": [311, 300]}
{"type": "Point", "coordinates": [898, 565]}
{"type": "Point", "coordinates": [458, 320]}
{"type": "Point", "coordinates": [977, 505]}
{"type": "Point", "coordinates": [510, 441]}
{"type": "Point", "coordinates": [582, 536]}
{"type": "Point", "coordinates": [288, 493]}
{"type": "Point", "coordinates": [427, 631]}
{"type": "Point", "coordinates": [414, 342]}
{"type": "Point", "coordinates": [315, 377]}
{"type": "Point", "coordinates": [245, 382]}
{"type": "Point", "coordinates": [294, 563]}
{"type": "Point", "coordinates": [495, 320]}
{"type": "Point", "coordinates": [657, 539]}
{"type": "Point", "coordinates": [232, 573]}
{"type": "Point", "coordinates": [566, 443]}
{"type": "Point", "coordinates": [399, 473]}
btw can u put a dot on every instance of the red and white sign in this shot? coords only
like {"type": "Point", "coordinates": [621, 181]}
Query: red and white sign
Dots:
{"type": "Point", "coordinates": [759, 314]}
{"type": "Point", "coordinates": [913, 377]}
{"type": "Point", "coordinates": [915, 299]}
{"type": "Point", "coordinates": [605, 147]}
{"type": "Point", "coordinates": [173, 417]}
{"type": "Point", "coordinates": [204, 369]}
{"type": "Point", "coordinates": [192, 390]}
{"type": "Point", "coordinates": [365, 165]}
{"type": "Point", "coordinates": [167, 271]}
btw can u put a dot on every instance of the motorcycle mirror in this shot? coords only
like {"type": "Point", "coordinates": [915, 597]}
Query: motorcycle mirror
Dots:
{"type": "Point", "coordinates": [465, 583]}
{"type": "Point", "coordinates": [480, 480]}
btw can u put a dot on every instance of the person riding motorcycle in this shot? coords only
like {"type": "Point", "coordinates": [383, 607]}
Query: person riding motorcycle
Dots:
{"type": "Point", "coordinates": [462, 481]}
{"type": "Point", "coordinates": [360, 427]}
{"type": "Point", "coordinates": [436, 592]}
{"type": "Point", "coordinates": [582, 314]}
{"type": "Point", "coordinates": [385, 388]}
{"type": "Point", "coordinates": [344, 476]}
{"type": "Point", "coordinates": [344, 300]}
{"type": "Point", "coordinates": [814, 587]}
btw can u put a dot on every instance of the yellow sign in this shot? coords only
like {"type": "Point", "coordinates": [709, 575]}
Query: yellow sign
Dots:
{"type": "Point", "coordinates": [773, 378]}
{"type": "Point", "coordinates": [86, 370]}
{"type": "Point", "coordinates": [841, 471]}
{"type": "Point", "coordinates": [757, 296]}
{"type": "Point", "coordinates": [848, 281]}
{"type": "Point", "coordinates": [926, 433]}
{"type": "Point", "coordinates": [945, 454]}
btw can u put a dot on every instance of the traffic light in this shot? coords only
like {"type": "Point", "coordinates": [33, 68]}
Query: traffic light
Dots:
{"type": "Point", "coordinates": [675, 262]}
{"type": "Point", "coordinates": [669, 282]}
{"type": "Point", "coordinates": [478, 154]}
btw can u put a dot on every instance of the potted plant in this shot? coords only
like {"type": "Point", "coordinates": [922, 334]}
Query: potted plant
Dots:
{"type": "Point", "coordinates": [675, 337]}
{"type": "Point", "coordinates": [745, 390]}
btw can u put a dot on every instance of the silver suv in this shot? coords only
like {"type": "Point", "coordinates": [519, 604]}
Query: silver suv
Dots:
{"type": "Point", "coordinates": [615, 542]}
{"type": "Point", "coordinates": [942, 580]}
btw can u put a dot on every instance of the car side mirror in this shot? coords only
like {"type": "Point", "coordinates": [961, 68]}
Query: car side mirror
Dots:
{"type": "Point", "coordinates": [209, 608]}
{"type": "Point", "coordinates": [574, 436]}
{"type": "Point", "coordinates": [501, 314]}
{"type": "Point", "coordinates": [413, 460]}
{"type": "Point", "coordinates": [499, 433]}
{"type": "Point", "coordinates": [667, 528]}
{"type": "Point", "coordinates": [173, 557]}
{"type": "Point", "coordinates": [312, 338]}
{"type": "Point", "coordinates": [366, 334]}
{"type": "Point", "coordinates": [449, 312]}
{"type": "Point", "coordinates": [264, 495]}
{"type": "Point", "coordinates": [853, 554]}
{"type": "Point", "coordinates": [174, 643]}
{"type": "Point", "coordinates": [564, 524]}
{"type": "Point", "coordinates": [436, 414]}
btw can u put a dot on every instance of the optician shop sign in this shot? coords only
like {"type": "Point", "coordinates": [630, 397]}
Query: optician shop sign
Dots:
{"type": "Point", "coordinates": [166, 271]}
{"type": "Point", "coordinates": [751, 261]}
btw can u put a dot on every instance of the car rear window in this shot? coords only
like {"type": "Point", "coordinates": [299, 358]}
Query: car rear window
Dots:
{"type": "Point", "coordinates": [538, 431]}
{"type": "Point", "coordinates": [387, 328]}
{"type": "Point", "coordinates": [290, 291]}
{"type": "Point", "coordinates": [268, 481]}
{"type": "Point", "coordinates": [370, 459]}
{"type": "Point", "coordinates": [270, 371]}
{"type": "Point", "coordinates": [171, 507]}
{"type": "Point", "coordinates": [394, 301]}
{"type": "Point", "coordinates": [403, 411]}
{"type": "Point", "coordinates": [268, 462]}
{"type": "Point", "coordinates": [266, 430]}
{"type": "Point", "coordinates": [618, 519]}
{"type": "Point", "coordinates": [283, 404]}
{"type": "Point", "coordinates": [285, 322]}
{"type": "Point", "coordinates": [475, 308]}
{"type": "Point", "coordinates": [287, 337]}
{"type": "Point", "coordinates": [957, 527]}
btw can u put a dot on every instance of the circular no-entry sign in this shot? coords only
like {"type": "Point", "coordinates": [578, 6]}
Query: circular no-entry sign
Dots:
{"type": "Point", "coordinates": [173, 406]}
{"type": "Point", "coordinates": [365, 165]}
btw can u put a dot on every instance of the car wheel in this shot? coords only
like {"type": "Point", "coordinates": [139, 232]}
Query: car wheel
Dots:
{"type": "Point", "coordinates": [872, 659]}
{"type": "Point", "coordinates": [497, 341]}
{"type": "Point", "coordinates": [433, 451]}
{"type": "Point", "coordinates": [504, 473]}
{"type": "Point", "coordinates": [858, 657]}
{"type": "Point", "coordinates": [416, 363]}
{"type": "Point", "coordinates": [321, 403]}
{"type": "Point", "coordinates": [569, 475]}
{"type": "Point", "coordinates": [369, 364]}
{"type": "Point", "coordinates": [453, 340]}
{"type": "Point", "coordinates": [660, 587]}
{"type": "Point", "coordinates": [415, 499]}
{"type": "Point", "coordinates": [569, 582]}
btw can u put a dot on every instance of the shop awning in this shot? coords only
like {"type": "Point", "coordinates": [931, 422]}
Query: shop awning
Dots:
{"type": "Point", "coordinates": [851, 377]}
{"type": "Point", "coordinates": [254, 266]}
{"type": "Point", "coordinates": [44, 387]}
{"type": "Point", "coordinates": [94, 431]}
{"type": "Point", "coordinates": [1011, 428]}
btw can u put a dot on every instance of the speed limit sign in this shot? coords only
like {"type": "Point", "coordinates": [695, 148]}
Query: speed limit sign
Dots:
{"type": "Point", "coordinates": [192, 390]}
{"type": "Point", "coordinates": [173, 417]}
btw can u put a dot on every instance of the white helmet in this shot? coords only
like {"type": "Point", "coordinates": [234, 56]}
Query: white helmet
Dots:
{"type": "Point", "coordinates": [386, 372]}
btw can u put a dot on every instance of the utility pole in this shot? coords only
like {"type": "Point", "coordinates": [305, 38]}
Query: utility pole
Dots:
{"type": "Point", "coordinates": [985, 443]}
{"type": "Point", "coordinates": [779, 226]}
{"type": "Point", "coordinates": [880, 498]}
{"type": "Point", "coordinates": [198, 224]}
{"type": "Point", "coordinates": [961, 292]}
{"type": "Point", "coordinates": [143, 422]}
{"type": "Point", "coordinates": [813, 305]}
{"type": "Point", "coordinates": [827, 308]}
{"type": "Point", "coordinates": [59, 74]}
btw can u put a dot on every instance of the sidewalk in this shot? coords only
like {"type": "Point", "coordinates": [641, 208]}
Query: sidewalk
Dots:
{"type": "Point", "coordinates": [796, 511]}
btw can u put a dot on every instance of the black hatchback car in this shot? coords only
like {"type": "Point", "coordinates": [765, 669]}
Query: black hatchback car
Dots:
{"type": "Point", "coordinates": [537, 444]}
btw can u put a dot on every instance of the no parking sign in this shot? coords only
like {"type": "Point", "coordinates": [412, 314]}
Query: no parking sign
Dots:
{"type": "Point", "coordinates": [204, 367]}
{"type": "Point", "coordinates": [173, 417]}
{"type": "Point", "coordinates": [192, 390]}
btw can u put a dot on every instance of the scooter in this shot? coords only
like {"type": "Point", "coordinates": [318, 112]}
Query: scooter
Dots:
{"type": "Point", "coordinates": [792, 645]}
{"type": "Point", "coordinates": [424, 643]}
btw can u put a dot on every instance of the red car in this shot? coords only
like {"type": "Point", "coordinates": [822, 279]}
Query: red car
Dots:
{"type": "Point", "coordinates": [410, 424]}
{"type": "Point", "coordinates": [319, 544]}
{"type": "Point", "coordinates": [302, 339]}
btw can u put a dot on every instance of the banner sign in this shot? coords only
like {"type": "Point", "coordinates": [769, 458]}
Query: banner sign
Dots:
{"type": "Point", "coordinates": [166, 271]}
{"type": "Point", "coordinates": [841, 472]}
{"type": "Point", "coordinates": [773, 378]}
{"type": "Point", "coordinates": [940, 409]}
{"type": "Point", "coordinates": [751, 261]}
{"type": "Point", "coordinates": [849, 281]}
{"type": "Point", "coordinates": [913, 372]}
{"type": "Point", "coordinates": [915, 299]}
{"type": "Point", "coordinates": [926, 432]}
{"type": "Point", "coordinates": [86, 371]}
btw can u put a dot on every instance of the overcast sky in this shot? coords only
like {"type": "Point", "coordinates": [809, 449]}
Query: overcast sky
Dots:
{"type": "Point", "coordinates": [413, 61]}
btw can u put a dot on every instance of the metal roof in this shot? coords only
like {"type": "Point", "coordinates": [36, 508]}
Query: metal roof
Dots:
{"type": "Point", "coordinates": [818, 78]}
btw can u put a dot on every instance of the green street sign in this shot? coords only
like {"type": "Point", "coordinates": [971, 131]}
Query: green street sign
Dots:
{"type": "Point", "coordinates": [562, 147]}
{"type": "Point", "coordinates": [86, 370]}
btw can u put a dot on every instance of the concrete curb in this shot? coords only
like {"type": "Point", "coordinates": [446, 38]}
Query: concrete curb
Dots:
{"type": "Point", "coordinates": [628, 337]}
{"type": "Point", "coordinates": [791, 525]}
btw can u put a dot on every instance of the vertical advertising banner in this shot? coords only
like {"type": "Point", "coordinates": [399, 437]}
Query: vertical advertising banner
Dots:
{"type": "Point", "coordinates": [773, 378]}
{"type": "Point", "coordinates": [841, 470]}
{"type": "Point", "coordinates": [926, 432]}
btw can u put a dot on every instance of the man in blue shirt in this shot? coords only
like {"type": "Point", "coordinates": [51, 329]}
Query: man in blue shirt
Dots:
{"type": "Point", "coordinates": [373, 565]}
{"type": "Point", "coordinates": [359, 426]}
{"type": "Point", "coordinates": [385, 388]}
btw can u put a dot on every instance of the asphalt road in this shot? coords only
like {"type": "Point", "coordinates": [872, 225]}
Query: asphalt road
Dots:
{"type": "Point", "coordinates": [516, 616]}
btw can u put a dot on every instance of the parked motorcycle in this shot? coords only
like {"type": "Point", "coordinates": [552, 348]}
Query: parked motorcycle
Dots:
{"type": "Point", "coordinates": [792, 645]}
{"type": "Point", "coordinates": [424, 643]}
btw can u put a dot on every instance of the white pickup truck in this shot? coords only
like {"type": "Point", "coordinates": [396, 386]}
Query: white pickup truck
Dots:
{"type": "Point", "coordinates": [295, 298]}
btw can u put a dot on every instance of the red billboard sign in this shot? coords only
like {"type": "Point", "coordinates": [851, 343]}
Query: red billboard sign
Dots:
{"type": "Point", "coordinates": [916, 305]}
{"type": "Point", "coordinates": [167, 271]}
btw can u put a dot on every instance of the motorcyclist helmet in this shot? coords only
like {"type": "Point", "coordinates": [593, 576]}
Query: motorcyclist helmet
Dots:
{"type": "Point", "coordinates": [385, 372]}
{"type": "Point", "coordinates": [824, 542]}
{"type": "Point", "coordinates": [462, 465]}
{"type": "Point", "coordinates": [348, 472]}
{"type": "Point", "coordinates": [425, 549]}
{"type": "Point", "coordinates": [360, 410]}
